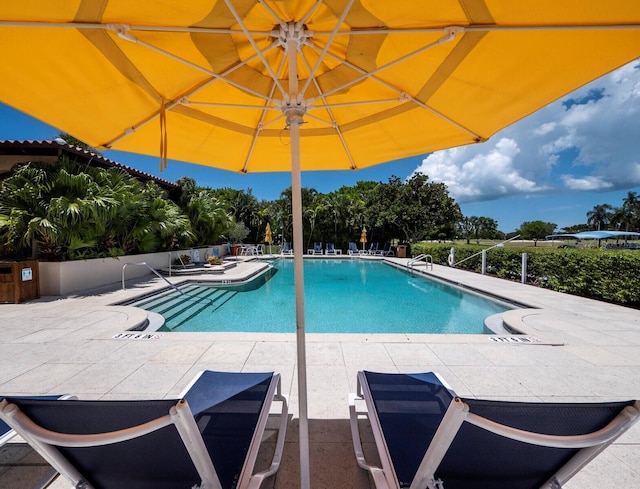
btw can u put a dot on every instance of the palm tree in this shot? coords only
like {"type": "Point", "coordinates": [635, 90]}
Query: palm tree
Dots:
{"type": "Point", "coordinates": [600, 216]}
{"type": "Point", "coordinates": [72, 213]}
{"type": "Point", "coordinates": [631, 211]}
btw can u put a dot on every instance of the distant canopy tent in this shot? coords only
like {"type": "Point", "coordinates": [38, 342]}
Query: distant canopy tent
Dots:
{"type": "Point", "coordinates": [598, 235]}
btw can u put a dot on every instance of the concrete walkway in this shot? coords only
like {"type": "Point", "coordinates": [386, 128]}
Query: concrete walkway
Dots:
{"type": "Point", "coordinates": [581, 350]}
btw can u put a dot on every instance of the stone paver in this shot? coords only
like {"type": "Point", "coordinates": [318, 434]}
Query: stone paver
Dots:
{"type": "Point", "coordinates": [587, 351]}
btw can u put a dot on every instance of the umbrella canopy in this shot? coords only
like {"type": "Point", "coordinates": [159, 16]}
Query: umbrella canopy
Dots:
{"type": "Point", "coordinates": [363, 237]}
{"type": "Point", "coordinates": [248, 85]}
{"type": "Point", "coordinates": [268, 238]}
{"type": "Point", "coordinates": [207, 81]}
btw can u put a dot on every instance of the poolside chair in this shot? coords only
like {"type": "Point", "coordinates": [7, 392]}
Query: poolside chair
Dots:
{"type": "Point", "coordinates": [41, 476]}
{"type": "Point", "coordinates": [427, 437]}
{"type": "Point", "coordinates": [386, 250]}
{"type": "Point", "coordinates": [317, 249]}
{"type": "Point", "coordinates": [207, 439]}
{"type": "Point", "coordinates": [353, 249]}
{"type": "Point", "coordinates": [373, 249]}
{"type": "Point", "coordinates": [331, 250]}
{"type": "Point", "coordinates": [286, 248]}
{"type": "Point", "coordinates": [6, 432]}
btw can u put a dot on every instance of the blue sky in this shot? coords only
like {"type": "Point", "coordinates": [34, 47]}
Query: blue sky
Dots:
{"type": "Point", "coordinates": [554, 165]}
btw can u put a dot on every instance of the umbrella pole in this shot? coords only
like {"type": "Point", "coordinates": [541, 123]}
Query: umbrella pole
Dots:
{"type": "Point", "coordinates": [300, 320]}
{"type": "Point", "coordinates": [294, 120]}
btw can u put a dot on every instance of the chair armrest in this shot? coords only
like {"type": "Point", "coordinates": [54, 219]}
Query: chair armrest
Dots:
{"type": "Point", "coordinates": [259, 477]}
{"type": "Point", "coordinates": [376, 472]}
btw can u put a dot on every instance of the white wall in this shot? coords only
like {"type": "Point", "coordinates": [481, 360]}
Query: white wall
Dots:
{"type": "Point", "coordinates": [59, 278]}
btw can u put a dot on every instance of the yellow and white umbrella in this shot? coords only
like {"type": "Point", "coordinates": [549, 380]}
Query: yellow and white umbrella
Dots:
{"type": "Point", "coordinates": [268, 238]}
{"type": "Point", "coordinates": [291, 85]}
{"type": "Point", "coordinates": [363, 237]}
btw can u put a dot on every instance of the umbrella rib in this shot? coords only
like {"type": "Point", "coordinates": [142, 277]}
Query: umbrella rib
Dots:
{"type": "Point", "coordinates": [402, 98]}
{"type": "Point", "coordinates": [266, 64]}
{"type": "Point", "coordinates": [333, 119]}
{"type": "Point", "coordinates": [449, 36]}
{"type": "Point", "coordinates": [403, 95]}
{"type": "Point", "coordinates": [363, 31]}
{"type": "Point", "coordinates": [481, 28]}
{"type": "Point", "coordinates": [273, 14]}
{"type": "Point", "coordinates": [260, 126]}
{"type": "Point", "coordinates": [124, 33]}
{"type": "Point", "coordinates": [309, 13]}
{"type": "Point", "coordinates": [327, 45]}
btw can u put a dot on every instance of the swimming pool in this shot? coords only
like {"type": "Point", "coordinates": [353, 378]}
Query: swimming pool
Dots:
{"type": "Point", "coordinates": [341, 296]}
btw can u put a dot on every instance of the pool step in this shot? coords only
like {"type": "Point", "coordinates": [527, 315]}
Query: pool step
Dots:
{"type": "Point", "coordinates": [213, 300]}
{"type": "Point", "coordinates": [167, 301]}
{"type": "Point", "coordinates": [176, 303]}
{"type": "Point", "coordinates": [173, 303]}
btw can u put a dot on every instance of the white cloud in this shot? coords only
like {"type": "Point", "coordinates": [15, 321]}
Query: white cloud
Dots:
{"type": "Point", "coordinates": [580, 143]}
{"type": "Point", "coordinates": [585, 183]}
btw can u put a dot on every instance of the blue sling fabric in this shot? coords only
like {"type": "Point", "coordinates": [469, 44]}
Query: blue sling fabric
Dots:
{"type": "Point", "coordinates": [410, 408]}
{"type": "Point", "coordinates": [226, 406]}
{"type": "Point", "coordinates": [478, 459]}
{"type": "Point", "coordinates": [159, 460]}
{"type": "Point", "coordinates": [4, 427]}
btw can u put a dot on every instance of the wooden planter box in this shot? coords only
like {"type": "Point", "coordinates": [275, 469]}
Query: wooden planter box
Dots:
{"type": "Point", "coordinates": [19, 281]}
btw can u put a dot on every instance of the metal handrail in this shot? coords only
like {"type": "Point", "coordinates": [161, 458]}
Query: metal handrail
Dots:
{"type": "Point", "coordinates": [428, 259]}
{"type": "Point", "coordinates": [144, 263]}
{"type": "Point", "coordinates": [490, 248]}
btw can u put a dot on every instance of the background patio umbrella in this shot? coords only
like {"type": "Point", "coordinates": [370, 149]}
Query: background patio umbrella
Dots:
{"type": "Point", "coordinates": [363, 237]}
{"type": "Point", "coordinates": [267, 234]}
{"type": "Point", "coordinates": [249, 85]}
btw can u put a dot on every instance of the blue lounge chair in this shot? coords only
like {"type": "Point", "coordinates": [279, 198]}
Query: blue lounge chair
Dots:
{"type": "Point", "coordinates": [317, 249]}
{"type": "Point", "coordinates": [427, 437]}
{"type": "Point", "coordinates": [353, 249]}
{"type": "Point", "coordinates": [208, 439]}
{"type": "Point", "coordinates": [331, 250]}
{"type": "Point", "coordinates": [286, 248]}
{"type": "Point", "coordinates": [386, 250]}
{"type": "Point", "coordinates": [6, 432]}
{"type": "Point", "coordinates": [373, 249]}
{"type": "Point", "coordinates": [44, 474]}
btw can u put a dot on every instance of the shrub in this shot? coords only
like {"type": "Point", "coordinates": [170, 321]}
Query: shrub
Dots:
{"type": "Point", "coordinates": [609, 276]}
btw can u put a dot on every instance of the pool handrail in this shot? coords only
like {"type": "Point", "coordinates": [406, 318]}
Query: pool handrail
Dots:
{"type": "Point", "coordinates": [145, 264]}
{"type": "Point", "coordinates": [428, 259]}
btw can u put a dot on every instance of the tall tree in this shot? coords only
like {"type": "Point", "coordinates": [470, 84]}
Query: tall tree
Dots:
{"type": "Point", "coordinates": [600, 216]}
{"type": "Point", "coordinates": [419, 209]}
{"type": "Point", "coordinates": [536, 230]}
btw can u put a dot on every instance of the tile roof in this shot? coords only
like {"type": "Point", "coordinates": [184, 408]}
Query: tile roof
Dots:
{"type": "Point", "coordinates": [13, 152]}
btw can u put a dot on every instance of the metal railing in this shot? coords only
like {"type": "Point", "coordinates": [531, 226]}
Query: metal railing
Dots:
{"type": "Point", "coordinates": [479, 252]}
{"type": "Point", "coordinates": [428, 260]}
{"type": "Point", "coordinates": [145, 264]}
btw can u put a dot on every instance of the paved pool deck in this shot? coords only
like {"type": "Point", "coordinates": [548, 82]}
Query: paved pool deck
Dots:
{"type": "Point", "coordinates": [577, 350]}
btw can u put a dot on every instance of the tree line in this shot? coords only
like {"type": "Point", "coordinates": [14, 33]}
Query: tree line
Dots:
{"type": "Point", "coordinates": [63, 211]}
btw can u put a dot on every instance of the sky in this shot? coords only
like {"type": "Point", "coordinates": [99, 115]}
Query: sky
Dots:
{"type": "Point", "coordinates": [555, 165]}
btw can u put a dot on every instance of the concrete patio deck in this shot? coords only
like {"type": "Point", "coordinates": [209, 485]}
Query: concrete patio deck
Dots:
{"type": "Point", "coordinates": [587, 351]}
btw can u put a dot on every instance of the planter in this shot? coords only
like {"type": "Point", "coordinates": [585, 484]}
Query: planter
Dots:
{"type": "Point", "coordinates": [60, 278]}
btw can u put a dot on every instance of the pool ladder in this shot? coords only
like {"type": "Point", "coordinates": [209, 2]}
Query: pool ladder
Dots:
{"type": "Point", "coordinates": [428, 260]}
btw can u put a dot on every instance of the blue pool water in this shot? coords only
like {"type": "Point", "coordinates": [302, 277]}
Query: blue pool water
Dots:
{"type": "Point", "coordinates": [341, 296]}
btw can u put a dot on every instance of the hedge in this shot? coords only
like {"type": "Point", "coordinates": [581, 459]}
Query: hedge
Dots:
{"type": "Point", "coordinates": [611, 276]}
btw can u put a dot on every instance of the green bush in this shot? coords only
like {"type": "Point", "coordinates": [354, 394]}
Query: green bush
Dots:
{"type": "Point", "coordinates": [610, 276]}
